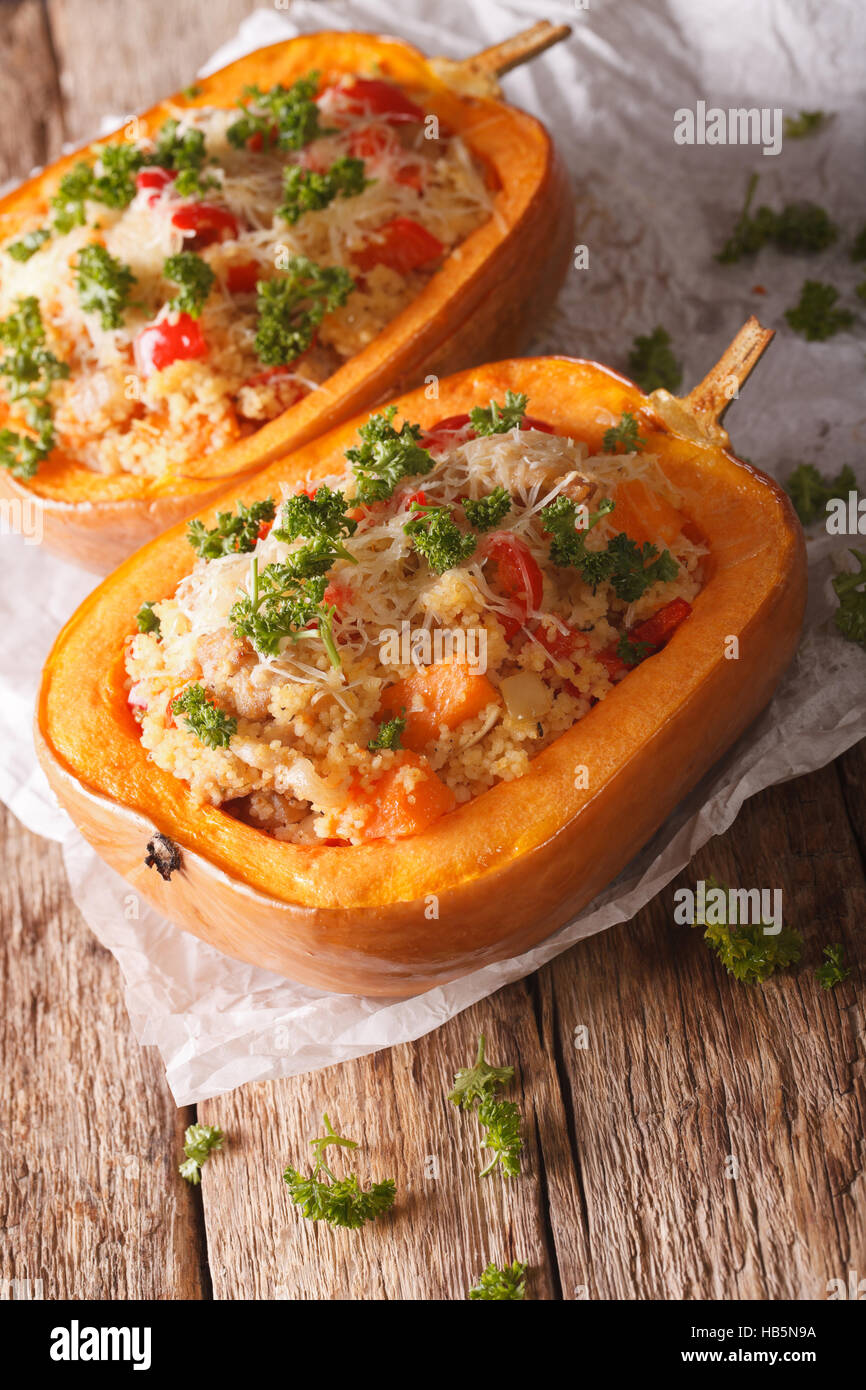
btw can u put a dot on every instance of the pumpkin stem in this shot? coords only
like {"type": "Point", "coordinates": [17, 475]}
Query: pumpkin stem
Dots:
{"type": "Point", "coordinates": [711, 397]}
{"type": "Point", "coordinates": [502, 57]}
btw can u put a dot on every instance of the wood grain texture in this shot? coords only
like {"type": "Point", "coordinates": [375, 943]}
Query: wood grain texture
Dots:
{"type": "Point", "coordinates": [90, 1199]}
{"type": "Point", "coordinates": [30, 88]}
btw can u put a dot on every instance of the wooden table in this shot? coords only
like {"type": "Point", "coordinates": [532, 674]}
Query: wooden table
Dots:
{"type": "Point", "coordinates": [632, 1142]}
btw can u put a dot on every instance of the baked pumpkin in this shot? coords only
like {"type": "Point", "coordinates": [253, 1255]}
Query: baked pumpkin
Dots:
{"type": "Point", "coordinates": [157, 424]}
{"type": "Point", "coordinates": [396, 914]}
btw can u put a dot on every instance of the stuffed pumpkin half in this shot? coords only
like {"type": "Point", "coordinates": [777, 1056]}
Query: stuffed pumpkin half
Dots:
{"type": "Point", "coordinates": [403, 705]}
{"type": "Point", "coordinates": [254, 260]}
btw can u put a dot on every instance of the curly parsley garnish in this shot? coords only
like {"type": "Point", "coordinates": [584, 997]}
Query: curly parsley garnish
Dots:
{"type": "Point", "coordinates": [305, 190]}
{"type": "Point", "coordinates": [211, 725]}
{"type": "Point", "coordinates": [625, 434]}
{"type": "Point", "coordinates": [291, 307]}
{"type": "Point", "coordinates": [285, 117]}
{"type": "Point", "coordinates": [146, 620]}
{"type": "Point", "coordinates": [340, 1201]}
{"type": "Point", "coordinates": [815, 316]}
{"type": "Point", "coordinates": [483, 513]}
{"type": "Point", "coordinates": [475, 1089]}
{"type": "Point", "coordinates": [386, 456]}
{"type": "Point", "coordinates": [799, 227]}
{"type": "Point", "coordinates": [746, 951]}
{"type": "Point", "coordinates": [194, 279]}
{"type": "Point", "coordinates": [629, 568]}
{"type": "Point", "coordinates": [29, 371]}
{"type": "Point", "coordinates": [323, 514]}
{"type": "Point", "coordinates": [435, 535]}
{"type": "Point", "coordinates": [500, 1285]}
{"type": "Point", "coordinates": [499, 419]}
{"type": "Point", "coordinates": [29, 244]}
{"type": "Point", "coordinates": [186, 154]}
{"type": "Point", "coordinates": [285, 604]}
{"type": "Point", "coordinates": [850, 587]}
{"type": "Point", "coordinates": [652, 363]}
{"type": "Point", "coordinates": [104, 285]}
{"type": "Point", "coordinates": [810, 491]}
{"type": "Point", "coordinates": [389, 735]}
{"type": "Point", "coordinates": [200, 1141]}
{"type": "Point", "coordinates": [833, 970]}
{"type": "Point", "coordinates": [233, 534]}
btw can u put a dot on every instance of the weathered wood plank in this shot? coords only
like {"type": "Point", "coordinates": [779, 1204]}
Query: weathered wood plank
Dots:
{"type": "Point", "coordinates": [154, 49]}
{"type": "Point", "coordinates": [851, 768]}
{"type": "Point", "coordinates": [686, 1067]}
{"type": "Point", "coordinates": [33, 132]}
{"type": "Point", "coordinates": [90, 1199]}
{"type": "Point", "coordinates": [447, 1223]}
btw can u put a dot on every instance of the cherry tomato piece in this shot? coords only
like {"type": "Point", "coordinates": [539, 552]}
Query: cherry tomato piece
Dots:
{"type": "Point", "coordinates": [162, 343]}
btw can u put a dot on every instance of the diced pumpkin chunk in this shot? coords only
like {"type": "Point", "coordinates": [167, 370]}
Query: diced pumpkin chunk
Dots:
{"type": "Point", "coordinates": [404, 801]}
{"type": "Point", "coordinates": [644, 514]}
{"type": "Point", "coordinates": [448, 692]}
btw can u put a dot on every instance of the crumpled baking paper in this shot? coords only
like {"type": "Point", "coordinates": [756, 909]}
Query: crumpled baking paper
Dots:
{"type": "Point", "coordinates": [652, 214]}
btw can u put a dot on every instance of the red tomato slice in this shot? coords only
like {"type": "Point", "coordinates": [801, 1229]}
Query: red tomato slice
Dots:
{"type": "Point", "coordinates": [441, 436]}
{"type": "Point", "coordinates": [243, 278]}
{"type": "Point", "coordinates": [660, 628]}
{"type": "Point", "coordinates": [155, 179]}
{"type": "Point", "coordinates": [404, 246]}
{"type": "Point", "coordinates": [160, 344]}
{"type": "Point", "coordinates": [372, 97]}
{"type": "Point", "coordinates": [517, 574]}
{"type": "Point", "coordinates": [208, 222]}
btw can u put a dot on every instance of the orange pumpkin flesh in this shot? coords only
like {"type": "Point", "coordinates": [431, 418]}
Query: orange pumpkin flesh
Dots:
{"type": "Point", "coordinates": [498, 874]}
{"type": "Point", "coordinates": [482, 302]}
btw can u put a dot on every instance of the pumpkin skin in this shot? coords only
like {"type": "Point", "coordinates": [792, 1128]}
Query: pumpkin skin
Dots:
{"type": "Point", "coordinates": [506, 869]}
{"type": "Point", "coordinates": [482, 303]}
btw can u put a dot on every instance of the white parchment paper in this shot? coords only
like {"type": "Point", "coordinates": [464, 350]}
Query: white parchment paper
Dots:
{"type": "Point", "coordinates": [652, 214]}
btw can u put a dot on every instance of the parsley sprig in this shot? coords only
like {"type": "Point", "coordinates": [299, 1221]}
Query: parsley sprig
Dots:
{"type": "Point", "coordinates": [850, 587]}
{"type": "Point", "coordinates": [340, 1201]}
{"type": "Point", "coordinates": [746, 951]}
{"type": "Point", "coordinates": [498, 419]}
{"type": "Point", "coordinates": [291, 307]}
{"type": "Point", "coordinates": [483, 513]}
{"type": "Point", "coordinates": [799, 227]}
{"type": "Point", "coordinates": [186, 154]}
{"type": "Point", "coordinates": [322, 515]}
{"type": "Point", "coordinates": [306, 190]}
{"type": "Point", "coordinates": [832, 970]}
{"type": "Point", "coordinates": [652, 362]}
{"type": "Point", "coordinates": [386, 456]}
{"type": "Point", "coordinates": [200, 1141]}
{"type": "Point", "coordinates": [211, 725]}
{"type": "Point", "coordinates": [625, 434]}
{"type": "Point", "coordinates": [810, 491]}
{"type": "Point", "coordinates": [29, 370]}
{"type": "Point", "coordinates": [629, 568]}
{"type": "Point", "coordinates": [104, 285]}
{"type": "Point", "coordinates": [435, 535]}
{"type": "Point", "coordinates": [29, 244]}
{"type": "Point", "coordinates": [283, 117]}
{"type": "Point", "coordinates": [234, 534]}
{"type": "Point", "coordinates": [390, 732]}
{"type": "Point", "coordinates": [194, 279]}
{"type": "Point", "coordinates": [815, 315]}
{"type": "Point", "coordinates": [500, 1285]}
{"type": "Point", "coordinates": [475, 1089]}
{"type": "Point", "coordinates": [283, 604]}
{"type": "Point", "coordinates": [146, 620]}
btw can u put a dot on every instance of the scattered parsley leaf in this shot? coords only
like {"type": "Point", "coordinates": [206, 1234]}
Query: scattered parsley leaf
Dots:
{"type": "Point", "coordinates": [29, 244]}
{"type": "Point", "coordinates": [807, 123]}
{"type": "Point", "coordinates": [652, 363]}
{"type": "Point", "coordinates": [833, 970]}
{"type": "Point", "coordinates": [475, 1089]}
{"type": "Point", "coordinates": [483, 513]}
{"type": "Point", "coordinates": [803, 227]}
{"type": "Point", "coordinates": [858, 247]}
{"type": "Point", "coordinates": [850, 587]}
{"type": "Point", "coordinates": [233, 534]}
{"type": "Point", "coordinates": [810, 491]}
{"type": "Point", "coordinates": [815, 316]}
{"type": "Point", "coordinates": [476, 1083]}
{"type": "Point", "coordinates": [339, 1201]}
{"type": "Point", "coordinates": [746, 951]}
{"type": "Point", "coordinates": [389, 735]}
{"type": "Point", "coordinates": [283, 605]}
{"type": "Point", "coordinates": [305, 190]}
{"type": "Point", "coordinates": [435, 535]}
{"type": "Point", "coordinates": [200, 1141]}
{"type": "Point", "coordinates": [104, 285]}
{"type": "Point", "coordinates": [291, 307]}
{"type": "Point", "coordinates": [625, 433]}
{"type": "Point", "coordinates": [508, 1284]}
{"type": "Point", "coordinates": [286, 117]}
{"type": "Point", "coordinates": [211, 725]}
{"type": "Point", "coordinates": [146, 619]}
{"type": "Point", "coordinates": [194, 278]}
{"type": "Point", "coordinates": [386, 456]}
{"type": "Point", "coordinates": [499, 419]}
